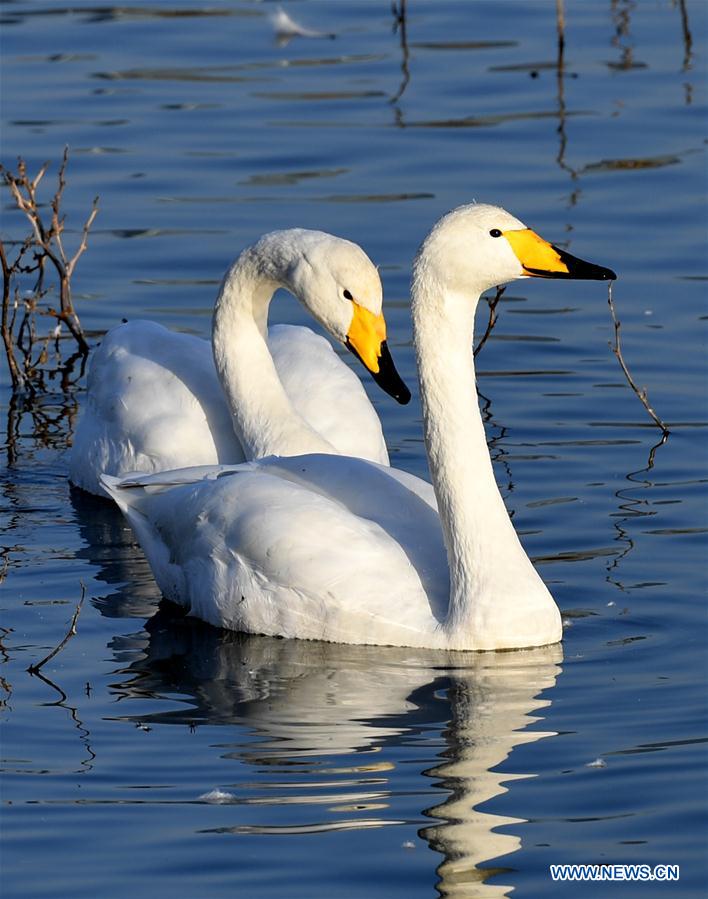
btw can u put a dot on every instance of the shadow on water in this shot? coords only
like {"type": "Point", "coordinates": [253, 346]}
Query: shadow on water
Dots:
{"type": "Point", "coordinates": [111, 548]}
{"type": "Point", "coordinates": [306, 703]}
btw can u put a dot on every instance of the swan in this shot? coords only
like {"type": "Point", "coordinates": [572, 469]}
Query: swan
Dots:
{"type": "Point", "coordinates": [344, 550]}
{"type": "Point", "coordinates": [159, 400]}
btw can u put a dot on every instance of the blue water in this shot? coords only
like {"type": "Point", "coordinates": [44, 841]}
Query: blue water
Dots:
{"type": "Point", "coordinates": [367, 772]}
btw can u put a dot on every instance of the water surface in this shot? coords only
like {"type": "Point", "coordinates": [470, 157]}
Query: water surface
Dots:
{"type": "Point", "coordinates": [159, 755]}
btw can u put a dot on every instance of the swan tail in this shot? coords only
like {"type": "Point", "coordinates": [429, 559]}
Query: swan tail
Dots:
{"type": "Point", "coordinates": [111, 485]}
{"type": "Point", "coordinates": [169, 576]}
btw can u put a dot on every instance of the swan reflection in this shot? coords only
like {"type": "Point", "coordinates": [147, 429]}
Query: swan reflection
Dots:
{"type": "Point", "coordinates": [305, 702]}
{"type": "Point", "coordinates": [331, 727]}
{"type": "Point", "coordinates": [110, 548]}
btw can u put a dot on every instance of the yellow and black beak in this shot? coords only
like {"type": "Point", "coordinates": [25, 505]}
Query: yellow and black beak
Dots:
{"type": "Point", "coordinates": [366, 338]}
{"type": "Point", "coordinates": [540, 259]}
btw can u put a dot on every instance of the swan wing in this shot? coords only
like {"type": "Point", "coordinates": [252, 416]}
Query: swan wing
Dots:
{"type": "Point", "coordinates": [326, 392]}
{"type": "Point", "coordinates": [316, 547]}
{"type": "Point", "coordinates": [155, 402]}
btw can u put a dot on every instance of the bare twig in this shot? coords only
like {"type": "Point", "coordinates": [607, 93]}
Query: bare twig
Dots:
{"type": "Point", "coordinates": [492, 318]}
{"type": "Point", "coordinates": [560, 24]}
{"type": "Point", "coordinates": [34, 669]}
{"type": "Point", "coordinates": [18, 378]}
{"type": "Point", "coordinates": [617, 350]}
{"type": "Point", "coordinates": [44, 244]}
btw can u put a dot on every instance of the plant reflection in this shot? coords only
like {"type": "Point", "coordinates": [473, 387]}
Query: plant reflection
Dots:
{"type": "Point", "coordinates": [562, 113]}
{"type": "Point", "coordinates": [52, 416]}
{"type": "Point", "coordinates": [400, 26]}
{"type": "Point", "coordinates": [632, 506]}
{"type": "Point", "coordinates": [497, 449]}
{"type": "Point", "coordinates": [86, 763]}
{"type": "Point", "coordinates": [622, 16]}
{"type": "Point", "coordinates": [687, 39]}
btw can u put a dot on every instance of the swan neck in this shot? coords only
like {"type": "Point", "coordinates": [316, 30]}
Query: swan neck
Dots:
{"type": "Point", "coordinates": [264, 418]}
{"type": "Point", "coordinates": [486, 560]}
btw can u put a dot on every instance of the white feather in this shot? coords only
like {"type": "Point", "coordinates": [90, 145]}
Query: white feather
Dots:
{"type": "Point", "coordinates": [156, 402]}
{"type": "Point", "coordinates": [339, 549]}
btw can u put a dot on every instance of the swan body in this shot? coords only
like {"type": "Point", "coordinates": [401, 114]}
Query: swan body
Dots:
{"type": "Point", "coordinates": [155, 402]}
{"type": "Point", "coordinates": [160, 400]}
{"type": "Point", "coordinates": [346, 550]}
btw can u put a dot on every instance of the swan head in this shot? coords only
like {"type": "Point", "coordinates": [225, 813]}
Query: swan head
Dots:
{"type": "Point", "coordinates": [476, 247]}
{"type": "Point", "coordinates": [340, 286]}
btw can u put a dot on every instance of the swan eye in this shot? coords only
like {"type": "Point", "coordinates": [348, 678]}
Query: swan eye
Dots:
{"type": "Point", "coordinates": [495, 232]}
{"type": "Point", "coordinates": [347, 295]}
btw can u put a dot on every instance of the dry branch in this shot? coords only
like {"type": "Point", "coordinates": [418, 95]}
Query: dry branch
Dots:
{"type": "Point", "coordinates": [492, 318]}
{"type": "Point", "coordinates": [26, 349]}
{"type": "Point", "coordinates": [34, 669]}
{"type": "Point", "coordinates": [617, 350]}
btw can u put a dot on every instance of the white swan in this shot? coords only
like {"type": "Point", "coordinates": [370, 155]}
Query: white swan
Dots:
{"type": "Point", "coordinates": [156, 401]}
{"type": "Point", "coordinates": [339, 549]}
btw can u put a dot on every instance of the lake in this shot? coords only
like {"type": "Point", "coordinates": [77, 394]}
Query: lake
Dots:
{"type": "Point", "coordinates": [156, 755]}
